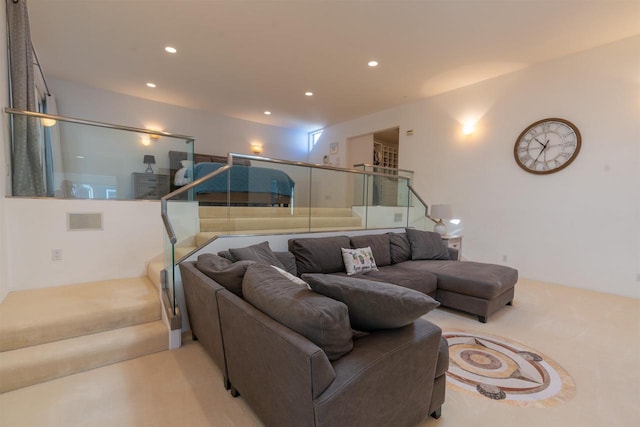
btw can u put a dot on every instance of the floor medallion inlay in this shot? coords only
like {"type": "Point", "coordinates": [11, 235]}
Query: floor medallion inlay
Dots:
{"type": "Point", "coordinates": [504, 370]}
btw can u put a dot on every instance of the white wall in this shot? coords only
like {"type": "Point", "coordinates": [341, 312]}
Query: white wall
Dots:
{"type": "Point", "coordinates": [132, 234]}
{"type": "Point", "coordinates": [214, 133]}
{"type": "Point", "coordinates": [578, 227]}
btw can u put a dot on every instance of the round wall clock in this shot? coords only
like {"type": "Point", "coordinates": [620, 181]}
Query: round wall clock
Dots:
{"type": "Point", "coordinates": [547, 146]}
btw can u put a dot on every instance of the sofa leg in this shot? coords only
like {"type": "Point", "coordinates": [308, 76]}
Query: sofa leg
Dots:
{"type": "Point", "coordinates": [193, 336]}
{"type": "Point", "coordinates": [437, 413]}
{"type": "Point", "coordinates": [234, 392]}
{"type": "Point", "coordinates": [510, 302]}
{"type": "Point", "coordinates": [482, 319]}
{"type": "Point", "coordinates": [227, 383]}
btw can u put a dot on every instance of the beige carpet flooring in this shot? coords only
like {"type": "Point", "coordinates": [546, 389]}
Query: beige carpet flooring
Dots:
{"type": "Point", "coordinates": [595, 337]}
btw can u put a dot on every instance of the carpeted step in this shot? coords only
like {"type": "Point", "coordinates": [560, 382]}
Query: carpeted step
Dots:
{"type": "Point", "coordinates": [38, 316]}
{"type": "Point", "coordinates": [39, 363]}
{"type": "Point", "coordinates": [203, 237]}
{"type": "Point", "coordinates": [268, 211]}
{"type": "Point", "coordinates": [250, 223]}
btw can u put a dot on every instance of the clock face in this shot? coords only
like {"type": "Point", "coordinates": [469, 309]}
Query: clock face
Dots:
{"type": "Point", "coordinates": [547, 146]}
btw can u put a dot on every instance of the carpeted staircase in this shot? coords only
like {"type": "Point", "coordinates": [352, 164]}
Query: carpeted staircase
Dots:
{"type": "Point", "coordinates": [53, 332]}
{"type": "Point", "coordinates": [217, 220]}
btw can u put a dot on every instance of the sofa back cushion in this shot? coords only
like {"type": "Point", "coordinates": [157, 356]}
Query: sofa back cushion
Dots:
{"type": "Point", "coordinates": [223, 271]}
{"type": "Point", "coordinates": [379, 244]}
{"type": "Point", "coordinates": [260, 252]}
{"type": "Point", "coordinates": [322, 320]}
{"type": "Point", "coordinates": [427, 245]}
{"type": "Point", "coordinates": [285, 257]}
{"type": "Point", "coordinates": [373, 305]}
{"type": "Point", "coordinates": [319, 255]}
{"type": "Point", "coordinates": [400, 247]}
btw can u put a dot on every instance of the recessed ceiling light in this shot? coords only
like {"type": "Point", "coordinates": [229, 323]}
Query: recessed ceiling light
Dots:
{"type": "Point", "coordinates": [151, 84]}
{"type": "Point", "coordinates": [372, 64]}
{"type": "Point", "coordinates": [268, 113]}
{"type": "Point", "coordinates": [171, 49]}
{"type": "Point", "coordinates": [308, 93]}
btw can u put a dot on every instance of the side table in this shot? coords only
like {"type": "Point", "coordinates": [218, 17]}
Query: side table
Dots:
{"type": "Point", "coordinates": [454, 242]}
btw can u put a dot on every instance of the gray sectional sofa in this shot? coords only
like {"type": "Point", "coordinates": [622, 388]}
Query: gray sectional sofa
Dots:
{"type": "Point", "coordinates": [299, 363]}
{"type": "Point", "coordinates": [347, 346]}
{"type": "Point", "coordinates": [418, 260]}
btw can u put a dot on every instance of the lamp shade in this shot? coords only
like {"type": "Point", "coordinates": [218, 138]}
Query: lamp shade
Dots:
{"type": "Point", "coordinates": [440, 211]}
{"type": "Point", "coordinates": [149, 159]}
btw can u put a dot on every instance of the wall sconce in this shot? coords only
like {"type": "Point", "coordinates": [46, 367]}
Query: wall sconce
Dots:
{"type": "Point", "coordinates": [149, 160]}
{"type": "Point", "coordinates": [256, 148]}
{"type": "Point", "coordinates": [468, 129]}
{"type": "Point", "coordinates": [48, 122]}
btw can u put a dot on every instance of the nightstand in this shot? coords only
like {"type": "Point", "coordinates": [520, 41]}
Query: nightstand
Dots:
{"type": "Point", "coordinates": [454, 242]}
{"type": "Point", "coordinates": [150, 186]}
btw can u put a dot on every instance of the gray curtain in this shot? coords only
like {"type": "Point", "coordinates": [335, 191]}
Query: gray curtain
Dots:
{"type": "Point", "coordinates": [26, 161]}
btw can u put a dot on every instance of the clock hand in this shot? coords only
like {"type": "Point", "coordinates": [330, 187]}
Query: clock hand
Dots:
{"type": "Point", "coordinates": [536, 139]}
{"type": "Point", "coordinates": [544, 147]}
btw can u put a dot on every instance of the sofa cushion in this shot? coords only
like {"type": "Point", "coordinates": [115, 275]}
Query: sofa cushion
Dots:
{"type": "Point", "coordinates": [288, 260]}
{"type": "Point", "coordinates": [426, 245]}
{"type": "Point", "coordinates": [322, 320]}
{"type": "Point", "coordinates": [399, 247]}
{"type": "Point", "coordinates": [259, 253]}
{"type": "Point", "coordinates": [379, 244]}
{"type": "Point", "coordinates": [424, 282]}
{"type": "Point", "coordinates": [373, 305]}
{"type": "Point", "coordinates": [357, 261]}
{"type": "Point", "coordinates": [476, 279]}
{"type": "Point", "coordinates": [223, 271]}
{"type": "Point", "coordinates": [320, 254]}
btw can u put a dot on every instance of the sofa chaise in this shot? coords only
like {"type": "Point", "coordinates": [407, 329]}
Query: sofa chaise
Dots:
{"type": "Point", "coordinates": [418, 260]}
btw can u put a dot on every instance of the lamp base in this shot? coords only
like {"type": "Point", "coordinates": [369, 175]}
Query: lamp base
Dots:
{"type": "Point", "coordinates": [440, 228]}
{"type": "Point", "coordinates": [149, 169]}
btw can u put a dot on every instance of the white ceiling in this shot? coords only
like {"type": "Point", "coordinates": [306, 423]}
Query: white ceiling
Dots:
{"type": "Point", "coordinates": [240, 58]}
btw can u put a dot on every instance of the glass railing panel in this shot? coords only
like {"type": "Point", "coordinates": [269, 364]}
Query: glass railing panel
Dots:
{"type": "Point", "coordinates": [389, 201]}
{"type": "Point", "coordinates": [337, 200]}
{"type": "Point", "coordinates": [78, 159]}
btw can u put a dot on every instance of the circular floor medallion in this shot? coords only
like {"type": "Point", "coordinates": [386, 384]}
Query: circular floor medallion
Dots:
{"type": "Point", "coordinates": [504, 370]}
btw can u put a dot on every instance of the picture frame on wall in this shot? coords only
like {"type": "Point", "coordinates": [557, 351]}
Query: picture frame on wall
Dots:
{"type": "Point", "coordinates": [333, 148]}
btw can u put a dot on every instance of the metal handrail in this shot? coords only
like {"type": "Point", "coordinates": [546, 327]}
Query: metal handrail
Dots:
{"type": "Point", "coordinates": [426, 207]}
{"type": "Point", "coordinates": [367, 165]}
{"type": "Point", "coordinates": [230, 156]}
{"type": "Point", "coordinates": [97, 124]}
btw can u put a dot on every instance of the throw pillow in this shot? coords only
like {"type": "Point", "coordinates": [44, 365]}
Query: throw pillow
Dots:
{"type": "Point", "coordinates": [294, 279]}
{"type": "Point", "coordinates": [426, 245]}
{"type": "Point", "coordinates": [357, 261]}
{"type": "Point", "coordinates": [223, 271]}
{"type": "Point", "coordinates": [322, 320]}
{"type": "Point", "coordinates": [400, 247]}
{"type": "Point", "coordinates": [259, 253]}
{"type": "Point", "coordinates": [288, 260]}
{"type": "Point", "coordinates": [373, 305]}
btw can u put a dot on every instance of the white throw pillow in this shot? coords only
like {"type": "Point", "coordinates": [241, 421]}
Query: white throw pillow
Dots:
{"type": "Point", "coordinates": [359, 260]}
{"type": "Point", "coordinates": [294, 279]}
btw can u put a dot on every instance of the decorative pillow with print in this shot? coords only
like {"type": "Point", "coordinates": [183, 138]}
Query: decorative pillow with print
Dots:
{"type": "Point", "coordinates": [358, 261]}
